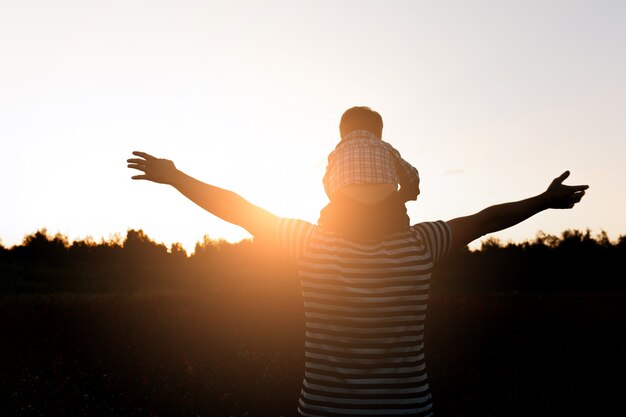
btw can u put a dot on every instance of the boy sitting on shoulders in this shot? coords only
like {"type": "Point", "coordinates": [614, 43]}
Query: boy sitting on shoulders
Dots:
{"type": "Point", "coordinates": [362, 179]}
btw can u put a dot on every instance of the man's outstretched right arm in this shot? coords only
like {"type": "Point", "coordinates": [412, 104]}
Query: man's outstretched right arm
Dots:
{"type": "Point", "coordinates": [222, 203]}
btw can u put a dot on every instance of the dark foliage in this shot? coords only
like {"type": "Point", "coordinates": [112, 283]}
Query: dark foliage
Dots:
{"type": "Point", "coordinates": [47, 264]}
{"type": "Point", "coordinates": [132, 328]}
{"type": "Point", "coordinates": [576, 261]}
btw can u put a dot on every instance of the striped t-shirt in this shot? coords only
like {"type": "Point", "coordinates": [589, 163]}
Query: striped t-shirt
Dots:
{"type": "Point", "coordinates": [365, 309]}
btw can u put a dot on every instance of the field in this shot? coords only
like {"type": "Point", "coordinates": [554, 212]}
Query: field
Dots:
{"type": "Point", "coordinates": [221, 353]}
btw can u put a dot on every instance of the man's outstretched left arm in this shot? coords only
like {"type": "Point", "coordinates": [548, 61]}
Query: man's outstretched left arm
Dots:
{"type": "Point", "coordinates": [222, 203]}
{"type": "Point", "coordinates": [501, 216]}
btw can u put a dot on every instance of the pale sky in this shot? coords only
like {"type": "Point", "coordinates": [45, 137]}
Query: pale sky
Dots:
{"type": "Point", "coordinates": [490, 100]}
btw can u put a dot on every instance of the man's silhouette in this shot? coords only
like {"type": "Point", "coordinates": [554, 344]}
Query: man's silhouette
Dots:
{"type": "Point", "coordinates": [365, 302]}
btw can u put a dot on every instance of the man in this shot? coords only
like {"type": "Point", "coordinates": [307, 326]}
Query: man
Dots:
{"type": "Point", "coordinates": [365, 302]}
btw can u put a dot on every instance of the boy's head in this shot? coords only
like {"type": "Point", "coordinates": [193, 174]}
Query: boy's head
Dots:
{"type": "Point", "coordinates": [361, 118]}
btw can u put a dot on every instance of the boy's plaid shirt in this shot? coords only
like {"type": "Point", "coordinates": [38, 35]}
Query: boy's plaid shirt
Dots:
{"type": "Point", "coordinates": [362, 158]}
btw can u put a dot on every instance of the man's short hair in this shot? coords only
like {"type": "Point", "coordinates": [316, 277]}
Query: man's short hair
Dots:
{"type": "Point", "coordinates": [361, 118]}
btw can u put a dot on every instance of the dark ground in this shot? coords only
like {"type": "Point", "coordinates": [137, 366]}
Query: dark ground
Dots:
{"type": "Point", "coordinates": [221, 353]}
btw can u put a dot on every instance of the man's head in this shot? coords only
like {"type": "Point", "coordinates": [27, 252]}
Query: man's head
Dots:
{"type": "Point", "coordinates": [361, 118]}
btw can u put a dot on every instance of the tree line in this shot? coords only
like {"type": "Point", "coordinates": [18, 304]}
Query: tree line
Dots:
{"type": "Point", "coordinates": [574, 261]}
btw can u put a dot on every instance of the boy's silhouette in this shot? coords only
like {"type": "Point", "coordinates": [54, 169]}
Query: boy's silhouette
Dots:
{"type": "Point", "coordinates": [362, 179]}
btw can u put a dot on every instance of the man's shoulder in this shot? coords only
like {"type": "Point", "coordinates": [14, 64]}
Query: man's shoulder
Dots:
{"type": "Point", "coordinates": [436, 235]}
{"type": "Point", "coordinates": [292, 236]}
{"type": "Point", "coordinates": [295, 222]}
{"type": "Point", "coordinates": [430, 224]}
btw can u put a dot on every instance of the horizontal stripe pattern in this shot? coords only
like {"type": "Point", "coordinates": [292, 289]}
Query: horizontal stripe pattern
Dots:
{"type": "Point", "coordinates": [365, 309]}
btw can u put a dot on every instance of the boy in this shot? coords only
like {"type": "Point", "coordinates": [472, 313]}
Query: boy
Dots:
{"type": "Point", "coordinates": [362, 179]}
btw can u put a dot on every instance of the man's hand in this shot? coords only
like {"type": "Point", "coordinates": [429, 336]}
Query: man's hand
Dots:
{"type": "Point", "coordinates": [559, 196]}
{"type": "Point", "coordinates": [162, 171]}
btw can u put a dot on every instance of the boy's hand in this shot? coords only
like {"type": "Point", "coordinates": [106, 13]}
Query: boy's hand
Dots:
{"type": "Point", "coordinates": [408, 194]}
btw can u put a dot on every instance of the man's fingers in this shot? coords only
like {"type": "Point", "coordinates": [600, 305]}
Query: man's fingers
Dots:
{"type": "Point", "coordinates": [136, 161]}
{"type": "Point", "coordinates": [560, 178]}
{"type": "Point", "coordinates": [139, 177]}
{"type": "Point", "coordinates": [144, 155]}
{"type": "Point", "coordinates": [573, 199]}
{"type": "Point", "coordinates": [137, 166]}
{"type": "Point", "coordinates": [578, 196]}
{"type": "Point", "coordinates": [576, 188]}
{"type": "Point", "coordinates": [558, 181]}
{"type": "Point", "coordinates": [563, 176]}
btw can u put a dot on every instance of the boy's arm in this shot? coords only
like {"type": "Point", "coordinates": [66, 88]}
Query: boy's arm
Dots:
{"type": "Point", "coordinates": [492, 219]}
{"type": "Point", "coordinates": [222, 203]}
{"type": "Point", "coordinates": [409, 179]}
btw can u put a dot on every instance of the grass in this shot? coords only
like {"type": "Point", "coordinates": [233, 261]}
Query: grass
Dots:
{"type": "Point", "coordinates": [240, 353]}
